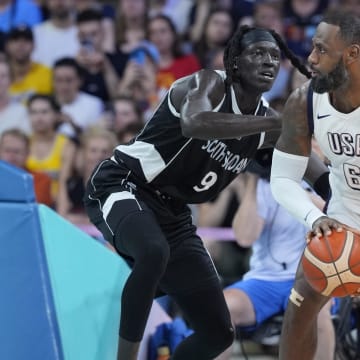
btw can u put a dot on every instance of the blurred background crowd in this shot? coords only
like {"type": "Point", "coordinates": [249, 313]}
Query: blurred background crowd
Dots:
{"type": "Point", "coordinates": [78, 77]}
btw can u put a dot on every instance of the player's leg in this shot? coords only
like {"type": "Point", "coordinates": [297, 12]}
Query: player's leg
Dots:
{"type": "Point", "coordinates": [193, 283]}
{"type": "Point", "coordinates": [299, 330]}
{"type": "Point", "coordinates": [325, 349]}
{"type": "Point", "coordinates": [133, 230]}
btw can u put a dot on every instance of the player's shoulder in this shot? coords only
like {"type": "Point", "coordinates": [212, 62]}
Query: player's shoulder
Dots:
{"type": "Point", "coordinates": [200, 78]}
{"type": "Point", "coordinates": [204, 82]}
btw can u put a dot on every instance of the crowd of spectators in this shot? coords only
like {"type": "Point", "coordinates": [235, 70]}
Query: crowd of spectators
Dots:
{"type": "Point", "coordinates": [78, 77]}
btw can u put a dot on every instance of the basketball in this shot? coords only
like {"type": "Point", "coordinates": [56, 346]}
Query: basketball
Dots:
{"type": "Point", "coordinates": [331, 264]}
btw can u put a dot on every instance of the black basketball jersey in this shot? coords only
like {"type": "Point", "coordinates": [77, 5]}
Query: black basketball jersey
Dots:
{"type": "Point", "coordinates": [189, 169]}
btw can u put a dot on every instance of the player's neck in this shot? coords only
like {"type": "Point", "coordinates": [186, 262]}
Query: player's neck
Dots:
{"type": "Point", "coordinates": [247, 101]}
{"type": "Point", "coordinates": [345, 101]}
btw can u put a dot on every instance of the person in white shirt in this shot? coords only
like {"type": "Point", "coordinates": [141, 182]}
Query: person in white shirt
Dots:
{"type": "Point", "coordinates": [12, 114]}
{"type": "Point", "coordinates": [80, 109]}
{"type": "Point", "coordinates": [56, 37]}
{"type": "Point", "coordinates": [277, 240]}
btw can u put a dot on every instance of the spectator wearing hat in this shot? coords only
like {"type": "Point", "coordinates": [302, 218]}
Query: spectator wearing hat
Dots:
{"type": "Point", "coordinates": [12, 114]}
{"type": "Point", "coordinates": [28, 77]}
{"type": "Point", "coordinates": [57, 37]}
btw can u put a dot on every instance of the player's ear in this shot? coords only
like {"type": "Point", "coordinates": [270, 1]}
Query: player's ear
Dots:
{"type": "Point", "coordinates": [353, 53]}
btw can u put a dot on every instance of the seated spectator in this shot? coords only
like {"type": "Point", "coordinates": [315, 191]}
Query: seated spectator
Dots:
{"type": "Point", "coordinates": [217, 30]}
{"type": "Point", "coordinates": [50, 152]}
{"type": "Point", "coordinates": [108, 21]}
{"type": "Point", "coordinates": [300, 20]}
{"type": "Point", "coordinates": [56, 37]}
{"type": "Point", "coordinates": [277, 240]}
{"type": "Point", "coordinates": [99, 77]}
{"type": "Point", "coordinates": [139, 79]}
{"type": "Point", "coordinates": [128, 118]}
{"type": "Point", "coordinates": [268, 14]}
{"type": "Point", "coordinates": [14, 13]}
{"type": "Point", "coordinates": [80, 110]}
{"type": "Point", "coordinates": [131, 23]}
{"type": "Point", "coordinates": [28, 77]}
{"type": "Point", "coordinates": [177, 11]}
{"type": "Point", "coordinates": [12, 114]}
{"type": "Point", "coordinates": [173, 63]}
{"type": "Point", "coordinates": [14, 149]}
{"type": "Point", "coordinates": [231, 260]}
{"type": "Point", "coordinates": [96, 144]}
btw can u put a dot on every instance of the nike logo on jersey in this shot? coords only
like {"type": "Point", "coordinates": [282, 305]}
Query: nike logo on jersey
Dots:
{"type": "Point", "coordinates": [322, 116]}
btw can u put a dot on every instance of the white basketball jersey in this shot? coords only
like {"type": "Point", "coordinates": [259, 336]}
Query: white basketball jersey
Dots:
{"type": "Point", "coordinates": [338, 136]}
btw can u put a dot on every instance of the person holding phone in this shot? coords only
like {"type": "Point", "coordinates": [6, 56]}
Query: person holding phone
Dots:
{"type": "Point", "coordinates": [100, 76]}
{"type": "Point", "coordinates": [140, 77]}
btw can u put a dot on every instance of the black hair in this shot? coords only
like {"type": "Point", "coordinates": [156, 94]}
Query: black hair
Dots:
{"type": "Point", "coordinates": [50, 99]}
{"type": "Point", "coordinates": [233, 49]}
{"type": "Point", "coordinates": [69, 62]}
{"type": "Point", "coordinates": [88, 15]}
{"type": "Point", "coordinates": [176, 47]}
{"type": "Point", "coordinates": [348, 22]}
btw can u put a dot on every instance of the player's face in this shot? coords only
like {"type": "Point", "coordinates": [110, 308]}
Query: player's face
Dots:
{"type": "Point", "coordinates": [258, 66]}
{"type": "Point", "coordinates": [326, 62]}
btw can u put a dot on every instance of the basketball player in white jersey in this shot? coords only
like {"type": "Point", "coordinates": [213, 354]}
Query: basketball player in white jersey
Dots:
{"type": "Point", "coordinates": [328, 108]}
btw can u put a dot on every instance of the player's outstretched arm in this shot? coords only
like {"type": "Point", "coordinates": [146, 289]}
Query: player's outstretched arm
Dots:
{"type": "Point", "coordinates": [196, 99]}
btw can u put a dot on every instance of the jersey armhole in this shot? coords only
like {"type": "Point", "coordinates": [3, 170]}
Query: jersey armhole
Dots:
{"type": "Point", "coordinates": [310, 110]}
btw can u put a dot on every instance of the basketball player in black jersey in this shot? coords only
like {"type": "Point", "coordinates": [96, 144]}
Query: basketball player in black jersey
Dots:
{"type": "Point", "coordinates": [196, 143]}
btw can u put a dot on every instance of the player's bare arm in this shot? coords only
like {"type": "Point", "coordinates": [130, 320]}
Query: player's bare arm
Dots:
{"type": "Point", "coordinates": [199, 121]}
{"type": "Point", "coordinates": [295, 139]}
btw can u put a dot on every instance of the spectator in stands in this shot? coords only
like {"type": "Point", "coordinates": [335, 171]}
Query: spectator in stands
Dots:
{"type": "Point", "coordinates": [57, 37]}
{"type": "Point", "coordinates": [300, 20]}
{"type": "Point", "coordinates": [99, 77]}
{"type": "Point", "coordinates": [173, 63]}
{"type": "Point", "coordinates": [277, 240]}
{"type": "Point", "coordinates": [139, 79]}
{"type": "Point", "coordinates": [28, 77]}
{"type": "Point", "coordinates": [96, 144]}
{"type": "Point", "coordinates": [268, 14]}
{"type": "Point", "coordinates": [231, 260]}
{"type": "Point", "coordinates": [107, 22]}
{"type": "Point", "coordinates": [14, 149]}
{"type": "Point", "coordinates": [80, 110]}
{"type": "Point", "coordinates": [12, 114]}
{"type": "Point", "coordinates": [128, 118]}
{"type": "Point", "coordinates": [131, 24]}
{"type": "Point", "coordinates": [216, 33]}
{"type": "Point", "coordinates": [177, 11]}
{"type": "Point", "coordinates": [50, 152]}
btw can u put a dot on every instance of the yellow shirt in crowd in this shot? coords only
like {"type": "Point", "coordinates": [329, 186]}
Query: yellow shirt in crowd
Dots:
{"type": "Point", "coordinates": [51, 164]}
{"type": "Point", "coordinates": [37, 80]}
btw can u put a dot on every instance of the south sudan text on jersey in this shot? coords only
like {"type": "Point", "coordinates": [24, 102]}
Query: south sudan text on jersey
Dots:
{"type": "Point", "coordinates": [229, 161]}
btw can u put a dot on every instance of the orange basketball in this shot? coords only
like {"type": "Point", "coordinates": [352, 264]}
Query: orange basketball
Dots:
{"type": "Point", "coordinates": [332, 264]}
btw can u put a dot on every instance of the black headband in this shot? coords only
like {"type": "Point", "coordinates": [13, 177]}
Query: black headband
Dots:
{"type": "Point", "coordinates": [254, 36]}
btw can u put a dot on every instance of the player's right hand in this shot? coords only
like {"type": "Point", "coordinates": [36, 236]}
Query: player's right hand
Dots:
{"type": "Point", "coordinates": [324, 226]}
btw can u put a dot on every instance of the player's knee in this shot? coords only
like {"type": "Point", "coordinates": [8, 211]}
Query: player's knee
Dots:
{"type": "Point", "coordinates": [154, 257]}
